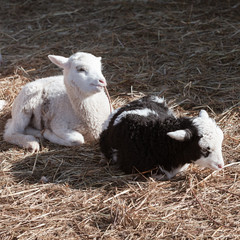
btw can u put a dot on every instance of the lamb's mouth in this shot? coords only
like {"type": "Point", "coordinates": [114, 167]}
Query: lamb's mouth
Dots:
{"type": "Point", "coordinates": [216, 166]}
{"type": "Point", "coordinates": [98, 86]}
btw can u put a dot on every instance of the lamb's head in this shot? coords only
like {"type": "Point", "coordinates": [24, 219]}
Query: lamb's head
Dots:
{"type": "Point", "coordinates": [210, 138]}
{"type": "Point", "coordinates": [82, 71]}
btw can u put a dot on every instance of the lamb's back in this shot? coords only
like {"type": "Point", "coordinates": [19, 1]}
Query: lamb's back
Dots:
{"type": "Point", "coordinates": [45, 99]}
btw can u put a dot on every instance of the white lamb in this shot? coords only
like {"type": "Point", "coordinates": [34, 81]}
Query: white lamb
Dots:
{"type": "Point", "coordinates": [68, 109]}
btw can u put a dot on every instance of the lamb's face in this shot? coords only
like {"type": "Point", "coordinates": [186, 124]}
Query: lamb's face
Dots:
{"type": "Point", "coordinates": [82, 71]}
{"type": "Point", "coordinates": [210, 142]}
{"type": "Point", "coordinates": [86, 73]}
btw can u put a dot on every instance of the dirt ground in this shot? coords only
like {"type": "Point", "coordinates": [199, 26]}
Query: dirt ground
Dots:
{"type": "Point", "coordinates": [186, 51]}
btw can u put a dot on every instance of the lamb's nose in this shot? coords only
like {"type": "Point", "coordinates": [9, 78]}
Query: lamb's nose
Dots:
{"type": "Point", "coordinates": [102, 82]}
{"type": "Point", "coordinates": [220, 165]}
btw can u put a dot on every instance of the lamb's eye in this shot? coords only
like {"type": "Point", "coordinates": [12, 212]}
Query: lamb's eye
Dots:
{"type": "Point", "coordinates": [81, 69]}
{"type": "Point", "coordinates": [206, 151]}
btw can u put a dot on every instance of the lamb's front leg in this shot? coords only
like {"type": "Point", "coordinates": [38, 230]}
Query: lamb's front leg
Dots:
{"type": "Point", "coordinates": [66, 137]}
{"type": "Point", "coordinates": [166, 175]}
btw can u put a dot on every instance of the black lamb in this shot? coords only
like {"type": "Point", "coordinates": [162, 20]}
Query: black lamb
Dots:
{"type": "Point", "coordinates": [145, 135]}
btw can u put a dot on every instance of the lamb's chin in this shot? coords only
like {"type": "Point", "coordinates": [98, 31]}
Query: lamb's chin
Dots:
{"type": "Point", "coordinates": [96, 88]}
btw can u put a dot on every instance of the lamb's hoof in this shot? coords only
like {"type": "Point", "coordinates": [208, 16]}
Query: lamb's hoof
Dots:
{"type": "Point", "coordinates": [159, 177]}
{"type": "Point", "coordinates": [34, 146]}
{"type": "Point", "coordinates": [77, 140]}
{"type": "Point", "coordinates": [2, 103]}
{"type": "Point", "coordinates": [103, 161]}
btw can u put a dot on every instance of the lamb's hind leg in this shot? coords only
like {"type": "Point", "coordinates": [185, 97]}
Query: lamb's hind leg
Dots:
{"type": "Point", "coordinates": [14, 133]}
{"type": "Point", "coordinates": [34, 132]}
{"type": "Point", "coordinates": [65, 137]}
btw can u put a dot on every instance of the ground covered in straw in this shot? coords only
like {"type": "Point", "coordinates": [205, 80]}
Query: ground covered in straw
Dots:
{"type": "Point", "coordinates": [186, 51]}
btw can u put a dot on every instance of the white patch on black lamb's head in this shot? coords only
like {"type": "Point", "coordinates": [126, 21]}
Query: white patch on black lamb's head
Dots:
{"type": "Point", "coordinates": [140, 112]}
{"type": "Point", "coordinates": [210, 142]}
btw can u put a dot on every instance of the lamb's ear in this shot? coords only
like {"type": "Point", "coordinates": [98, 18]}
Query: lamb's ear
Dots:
{"type": "Point", "coordinates": [180, 135]}
{"type": "Point", "coordinates": [100, 58]}
{"type": "Point", "coordinates": [203, 114]}
{"type": "Point", "coordinates": [60, 61]}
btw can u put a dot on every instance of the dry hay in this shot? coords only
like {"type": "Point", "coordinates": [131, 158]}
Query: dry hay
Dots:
{"type": "Point", "coordinates": [187, 52]}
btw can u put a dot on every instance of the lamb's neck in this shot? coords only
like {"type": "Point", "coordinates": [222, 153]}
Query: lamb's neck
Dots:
{"type": "Point", "coordinates": [76, 98]}
{"type": "Point", "coordinates": [91, 110]}
{"type": "Point", "coordinates": [182, 158]}
{"type": "Point", "coordinates": [94, 113]}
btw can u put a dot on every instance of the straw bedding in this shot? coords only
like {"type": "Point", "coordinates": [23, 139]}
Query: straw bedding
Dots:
{"type": "Point", "coordinates": [188, 52]}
